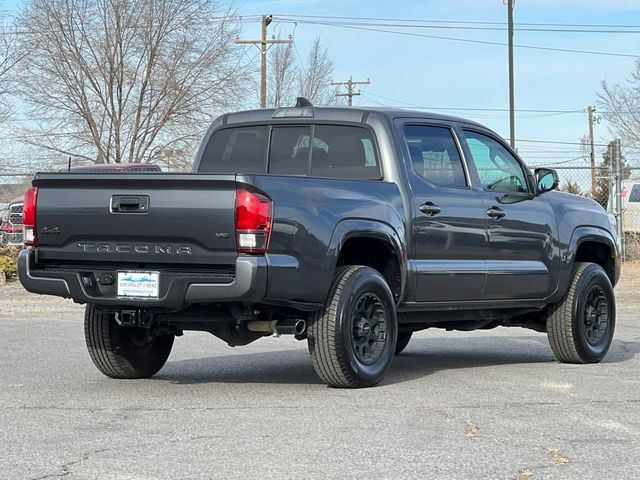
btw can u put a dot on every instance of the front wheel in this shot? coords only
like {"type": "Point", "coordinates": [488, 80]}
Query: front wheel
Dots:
{"type": "Point", "coordinates": [580, 327]}
{"type": "Point", "coordinates": [123, 352]}
{"type": "Point", "coordinates": [352, 340]}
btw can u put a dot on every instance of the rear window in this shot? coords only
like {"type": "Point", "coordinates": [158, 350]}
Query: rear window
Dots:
{"type": "Point", "coordinates": [329, 151]}
{"type": "Point", "coordinates": [634, 196]}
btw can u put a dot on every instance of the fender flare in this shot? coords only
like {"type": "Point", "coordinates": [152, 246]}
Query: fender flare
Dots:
{"type": "Point", "coordinates": [582, 234]}
{"type": "Point", "coordinates": [365, 228]}
{"type": "Point", "coordinates": [589, 234]}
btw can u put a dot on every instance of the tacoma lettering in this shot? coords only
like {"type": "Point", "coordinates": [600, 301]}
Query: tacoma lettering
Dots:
{"type": "Point", "coordinates": [137, 248]}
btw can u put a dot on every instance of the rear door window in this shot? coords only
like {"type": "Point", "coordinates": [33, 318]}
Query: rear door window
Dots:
{"type": "Point", "coordinates": [434, 155]}
{"type": "Point", "coordinates": [344, 152]}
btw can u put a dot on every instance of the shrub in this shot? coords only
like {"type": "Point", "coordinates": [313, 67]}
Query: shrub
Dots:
{"type": "Point", "coordinates": [9, 266]}
{"type": "Point", "coordinates": [9, 251]}
{"type": "Point", "coordinates": [632, 246]}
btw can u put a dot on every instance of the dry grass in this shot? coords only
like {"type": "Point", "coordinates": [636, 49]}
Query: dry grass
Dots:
{"type": "Point", "coordinates": [472, 430]}
{"type": "Point", "coordinates": [525, 474]}
{"type": "Point", "coordinates": [554, 453]}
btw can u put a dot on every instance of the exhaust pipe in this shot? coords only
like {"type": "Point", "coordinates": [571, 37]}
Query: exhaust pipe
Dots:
{"type": "Point", "coordinates": [261, 326]}
{"type": "Point", "coordinates": [291, 327]}
{"type": "Point", "coordinates": [278, 327]}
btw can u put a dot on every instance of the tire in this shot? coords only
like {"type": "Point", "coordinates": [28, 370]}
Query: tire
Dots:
{"type": "Point", "coordinates": [123, 352]}
{"type": "Point", "coordinates": [403, 341]}
{"type": "Point", "coordinates": [580, 327]}
{"type": "Point", "coordinates": [352, 340]}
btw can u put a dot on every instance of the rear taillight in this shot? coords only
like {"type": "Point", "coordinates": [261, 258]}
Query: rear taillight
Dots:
{"type": "Point", "coordinates": [254, 214]}
{"type": "Point", "coordinates": [29, 218]}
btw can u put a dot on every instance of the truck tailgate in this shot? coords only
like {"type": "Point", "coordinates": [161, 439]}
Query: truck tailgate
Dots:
{"type": "Point", "coordinates": [157, 218]}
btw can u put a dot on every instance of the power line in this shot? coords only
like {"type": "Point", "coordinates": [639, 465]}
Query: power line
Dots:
{"type": "Point", "coordinates": [554, 142]}
{"type": "Point", "coordinates": [465, 40]}
{"type": "Point", "coordinates": [463, 22]}
{"type": "Point", "coordinates": [442, 26]}
{"type": "Point", "coordinates": [295, 47]}
{"type": "Point", "coordinates": [475, 109]}
{"type": "Point", "coordinates": [557, 142]}
{"type": "Point", "coordinates": [559, 163]}
{"type": "Point", "coordinates": [482, 109]}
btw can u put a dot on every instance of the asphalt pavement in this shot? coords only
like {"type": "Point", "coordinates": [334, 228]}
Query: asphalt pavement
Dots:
{"type": "Point", "coordinates": [491, 404]}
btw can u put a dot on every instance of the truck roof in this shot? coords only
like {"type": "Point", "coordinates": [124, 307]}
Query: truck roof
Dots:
{"type": "Point", "coordinates": [349, 114]}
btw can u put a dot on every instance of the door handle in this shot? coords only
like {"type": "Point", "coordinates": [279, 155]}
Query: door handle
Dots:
{"type": "Point", "coordinates": [129, 204]}
{"type": "Point", "coordinates": [430, 209]}
{"type": "Point", "coordinates": [495, 213]}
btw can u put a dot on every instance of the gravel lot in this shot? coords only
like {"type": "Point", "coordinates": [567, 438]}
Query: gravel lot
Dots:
{"type": "Point", "coordinates": [491, 404]}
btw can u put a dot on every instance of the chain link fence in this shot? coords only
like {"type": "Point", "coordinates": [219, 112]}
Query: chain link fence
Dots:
{"type": "Point", "coordinates": [617, 190]}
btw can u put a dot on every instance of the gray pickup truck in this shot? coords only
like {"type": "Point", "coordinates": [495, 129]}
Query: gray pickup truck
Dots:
{"type": "Point", "coordinates": [351, 228]}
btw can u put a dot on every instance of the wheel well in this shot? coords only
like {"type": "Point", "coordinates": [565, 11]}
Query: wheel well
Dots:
{"type": "Point", "coordinates": [600, 253]}
{"type": "Point", "coordinates": [374, 253]}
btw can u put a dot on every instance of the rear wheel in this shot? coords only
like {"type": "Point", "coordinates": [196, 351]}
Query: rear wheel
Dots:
{"type": "Point", "coordinates": [123, 352]}
{"type": "Point", "coordinates": [580, 327]}
{"type": "Point", "coordinates": [352, 340]}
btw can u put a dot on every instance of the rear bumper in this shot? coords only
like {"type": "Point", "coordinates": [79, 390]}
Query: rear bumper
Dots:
{"type": "Point", "coordinates": [177, 290]}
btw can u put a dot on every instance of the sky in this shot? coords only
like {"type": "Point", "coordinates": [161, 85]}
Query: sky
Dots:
{"type": "Point", "coordinates": [451, 76]}
{"type": "Point", "coordinates": [464, 78]}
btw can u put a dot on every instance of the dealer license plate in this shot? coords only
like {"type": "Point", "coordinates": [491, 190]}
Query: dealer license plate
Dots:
{"type": "Point", "coordinates": [138, 284]}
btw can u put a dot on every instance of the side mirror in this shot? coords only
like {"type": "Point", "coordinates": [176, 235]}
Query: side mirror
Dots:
{"type": "Point", "coordinates": [546, 179]}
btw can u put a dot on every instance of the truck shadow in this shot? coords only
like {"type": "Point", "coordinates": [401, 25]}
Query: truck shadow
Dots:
{"type": "Point", "coordinates": [423, 357]}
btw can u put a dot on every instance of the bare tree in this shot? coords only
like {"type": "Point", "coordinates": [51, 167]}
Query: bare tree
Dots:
{"type": "Point", "coordinates": [289, 79]}
{"type": "Point", "coordinates": [282, 75]}
{"type": "Point", "coordinates": [9, 58]}
{"type": "Point", "coordinates": [620, 106]}
{"type": "Point", "coordinates": [127, 80]}
{"type": "Point", "coordinates": [315, 76]}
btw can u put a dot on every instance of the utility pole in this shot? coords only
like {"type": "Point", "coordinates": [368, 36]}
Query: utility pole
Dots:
{"type": "Point", "coordinates": [617, 172]}
{"type": "Point", "coordinates": [350, 93]}
{"type": "Point", "coordinates": [263, 44]}
{"type": "Point", "coordinates": [592, 153]}
{"type": "Point", "coordinates": [512, 112]}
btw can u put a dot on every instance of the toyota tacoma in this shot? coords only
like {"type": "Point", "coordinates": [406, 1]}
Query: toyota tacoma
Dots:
{"type": "Point", "coordinates": [350, 228]}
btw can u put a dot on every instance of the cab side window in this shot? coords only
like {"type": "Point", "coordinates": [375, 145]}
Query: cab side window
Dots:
{"type": "Point", "coordinates": [497, 168]}
{"type": "Point", "coordinates": [434, 155]}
